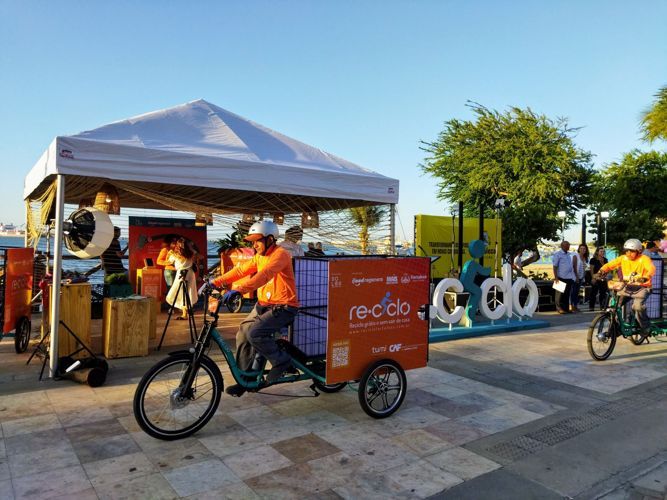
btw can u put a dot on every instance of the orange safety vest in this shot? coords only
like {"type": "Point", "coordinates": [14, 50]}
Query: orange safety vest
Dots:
{"type": "Point", "coordinates": [273, 278]}
{"type": "Point", "coordinates": [641, 266]}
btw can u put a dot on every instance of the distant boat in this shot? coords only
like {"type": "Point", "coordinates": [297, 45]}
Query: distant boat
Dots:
{"type": "Point", "coordinates": [10, 230]}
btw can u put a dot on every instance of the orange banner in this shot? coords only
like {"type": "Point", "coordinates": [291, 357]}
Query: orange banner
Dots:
{"type": "Point", "coordinates": [372, 314]}
{"type": "Point", "coordinates": [18, 286]}
{"type": "Point", "coordinates": [147, 236]}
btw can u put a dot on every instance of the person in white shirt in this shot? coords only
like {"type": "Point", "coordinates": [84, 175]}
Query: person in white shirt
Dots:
{"type": "Point", "coordinates": [291, 243]}
{"type": "Point", "coordinates": [579, 264]}
{"type": "Point", "coordinates": [563, 271]}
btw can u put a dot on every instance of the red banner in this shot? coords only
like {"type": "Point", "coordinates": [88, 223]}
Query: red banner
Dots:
{"type": "Point", "coordinates": [373, 314]}
{"type": "Point", "coordinates": [147, 236]}
{"type": "Point", "coordinates": [18, 286]}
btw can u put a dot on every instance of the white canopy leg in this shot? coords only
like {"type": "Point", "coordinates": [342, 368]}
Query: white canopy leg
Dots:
{"type": "Point", "coordinates": [57, 268]}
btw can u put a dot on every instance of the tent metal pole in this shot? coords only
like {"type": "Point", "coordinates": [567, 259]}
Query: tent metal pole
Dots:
{"type": "Point", "coordinates": [57, 268]}
{"type": "Point", "coordinates": [392, 228]}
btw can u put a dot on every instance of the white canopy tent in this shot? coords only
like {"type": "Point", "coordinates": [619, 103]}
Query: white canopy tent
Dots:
{"type": "Point", "coordinates": [199, 155]}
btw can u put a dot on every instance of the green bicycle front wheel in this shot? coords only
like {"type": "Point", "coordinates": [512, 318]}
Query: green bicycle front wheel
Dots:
{"type": "Point", "coordinates": [601, 337]}
{"type": "Point", "coordinates": [165, 408]}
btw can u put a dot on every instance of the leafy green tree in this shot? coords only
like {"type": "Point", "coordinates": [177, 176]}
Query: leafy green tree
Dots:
{"type": "Point", "coordinates": [633, 191]}
{"type": "Point", "coordinates": [527, 158]}
{"type": "Point", "coordinates": [366, 218]}
{"type": "Point", "coordinates": [654, 120]}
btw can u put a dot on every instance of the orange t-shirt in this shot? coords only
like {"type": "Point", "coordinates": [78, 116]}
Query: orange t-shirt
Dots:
{"type": "Point", "coordinates": [641, 267]}
{"type": "Point", "coordinates": [162, 259]}
{"type": "Point", "coordinates": [273, 278]}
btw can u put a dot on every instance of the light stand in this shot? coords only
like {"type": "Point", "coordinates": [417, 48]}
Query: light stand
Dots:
{"type": "Point", "coordinates": [182, 289]}
{"type": "Point", "coordinates": [605, 217]}
{"type": "Point", "coordinates": [500, 205]}
{"type": "Point", "coordinates": [563, 215]}
{"type": "Point", "coordinates": [452, 273]}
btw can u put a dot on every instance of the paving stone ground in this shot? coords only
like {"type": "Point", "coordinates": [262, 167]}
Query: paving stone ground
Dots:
{"type": "Point", "coordinates": [517, 415]}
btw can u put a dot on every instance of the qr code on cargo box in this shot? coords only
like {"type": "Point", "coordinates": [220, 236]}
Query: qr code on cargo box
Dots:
{"type": "Point", "coordinates": [340, 355]}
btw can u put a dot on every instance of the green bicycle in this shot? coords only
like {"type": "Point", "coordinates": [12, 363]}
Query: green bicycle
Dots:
{"type": "Point", "coordinates": [607, 326]}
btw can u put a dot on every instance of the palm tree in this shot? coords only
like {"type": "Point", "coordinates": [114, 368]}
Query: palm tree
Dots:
{"type": "Point", "coordinates": [654, 120]}
{"type": "Point", "coordinates": [366, 218]}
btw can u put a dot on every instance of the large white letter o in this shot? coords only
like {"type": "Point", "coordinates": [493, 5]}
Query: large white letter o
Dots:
{"type": "Point", "coordinates": [533, 297]}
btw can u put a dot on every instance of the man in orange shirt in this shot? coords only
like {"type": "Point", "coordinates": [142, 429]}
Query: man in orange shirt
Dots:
{"type": "Point", "coordinates": [270, 273]}
{"type": "Point", "coordinates": [639, 270]}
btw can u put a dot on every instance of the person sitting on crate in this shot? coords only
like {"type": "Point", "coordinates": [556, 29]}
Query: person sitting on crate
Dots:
{"type": "Point", "coordinates": [111, 259]}
{"type": "Point", "coordinates": [639, 270]}
{"type": "Point", "coordinates": [276, 306]}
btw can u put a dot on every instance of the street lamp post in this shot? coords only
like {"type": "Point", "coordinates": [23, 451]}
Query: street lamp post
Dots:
{"type": "Point", "coordinates": [562, 214]}
{"type": "Point", "coordinates": [605, 216]}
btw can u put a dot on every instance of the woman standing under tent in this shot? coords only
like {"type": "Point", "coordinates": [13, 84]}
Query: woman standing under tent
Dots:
{"type": "Point", "coordinates": [579, 264]}
{"type": "Point", "coordinates": [182, 258]}
{"type": "Point", "coordinates": [599, 288]}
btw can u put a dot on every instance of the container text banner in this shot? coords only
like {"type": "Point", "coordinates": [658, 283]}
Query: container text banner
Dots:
{"type": "Point", "coordinates": [18, 286]}
{"type": "Point", "coordinates": [373, 314]}
{"type": "Point", "coordinates": [147, 236]}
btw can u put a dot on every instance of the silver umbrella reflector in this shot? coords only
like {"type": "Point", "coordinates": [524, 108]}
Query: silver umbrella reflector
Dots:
{"type": "Point", "coordinates": [88, 232]}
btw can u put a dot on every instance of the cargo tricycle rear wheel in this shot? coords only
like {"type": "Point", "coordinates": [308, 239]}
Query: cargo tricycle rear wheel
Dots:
{"type": "Point", "coordinates": [382, 388]}
{"type": "Point", "coordinates": [22, 335]}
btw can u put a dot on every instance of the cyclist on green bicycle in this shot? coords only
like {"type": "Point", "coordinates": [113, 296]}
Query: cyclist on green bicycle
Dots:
{"type": "Point", "coordinates": [639, 270]}
{"type": "Point", "coordinates": [270, 273]}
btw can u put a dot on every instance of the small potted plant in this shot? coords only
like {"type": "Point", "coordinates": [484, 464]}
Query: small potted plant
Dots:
{"type": "Point", "coordinates": [117, 285]}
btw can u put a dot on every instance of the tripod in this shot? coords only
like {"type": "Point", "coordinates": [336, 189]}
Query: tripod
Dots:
{"type": "Point", "coordinates": [42, 350]}
{"type": "Point", "coordinates": [182, 289]}
{"type": "Point", "coordinates": [498, 207]}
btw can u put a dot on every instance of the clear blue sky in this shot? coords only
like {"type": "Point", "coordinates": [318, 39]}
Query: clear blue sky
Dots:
{"type": "Point", "coordinates": [365, 80]}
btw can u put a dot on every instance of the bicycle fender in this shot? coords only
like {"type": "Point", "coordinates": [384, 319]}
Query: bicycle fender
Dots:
{"type": "Point", "coordinates": [178, 353]}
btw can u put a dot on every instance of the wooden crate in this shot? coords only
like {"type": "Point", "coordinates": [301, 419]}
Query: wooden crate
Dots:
{"type": "Point", "coordinates": [126, 327]}
{"type": "Point", "coordinates": [75, 300]}
{"type": "Point", "coordinates": [149, 282]}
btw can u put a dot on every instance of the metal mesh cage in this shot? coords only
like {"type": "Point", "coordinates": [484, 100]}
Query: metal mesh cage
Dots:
{"type": "Point", "coordinates": [309, 331]}
{"type": "Point", "coordinates": [655, 302]}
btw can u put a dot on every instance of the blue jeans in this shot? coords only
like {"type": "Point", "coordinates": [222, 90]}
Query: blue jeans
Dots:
{"type": "Point", "coordinates": [257, 333]}
{"type": "Point", "coordinates": [169, 276]}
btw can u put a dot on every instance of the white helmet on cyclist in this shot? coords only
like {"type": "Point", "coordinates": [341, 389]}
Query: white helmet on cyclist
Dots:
{"type": "Point", "coordinates": [633, 244]}
{"type": "Point", "coordinates": [261, 230]}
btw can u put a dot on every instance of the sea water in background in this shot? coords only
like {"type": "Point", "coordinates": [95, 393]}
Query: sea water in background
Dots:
{"type": "Point", "coordinates": [83, 265]}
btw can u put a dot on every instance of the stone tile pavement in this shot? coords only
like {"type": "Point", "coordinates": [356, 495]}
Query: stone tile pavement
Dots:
{"type": "Point", "coordinates": [64, 440]}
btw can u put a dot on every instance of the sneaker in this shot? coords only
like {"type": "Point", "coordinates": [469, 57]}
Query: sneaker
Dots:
{"type": "Point", "coordinates": [278, 371]}
{"type": "Point", "coordinates": [235, 390]}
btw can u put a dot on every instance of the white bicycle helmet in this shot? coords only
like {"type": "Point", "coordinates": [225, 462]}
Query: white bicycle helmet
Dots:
{"type": "Point", "coordinates": [262, 229]}
{"type": "Point", "coordinates": [633, 244]}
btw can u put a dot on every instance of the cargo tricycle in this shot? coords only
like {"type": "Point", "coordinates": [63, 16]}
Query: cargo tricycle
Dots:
{"type": "Point", "coordinates": [362, 320]}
